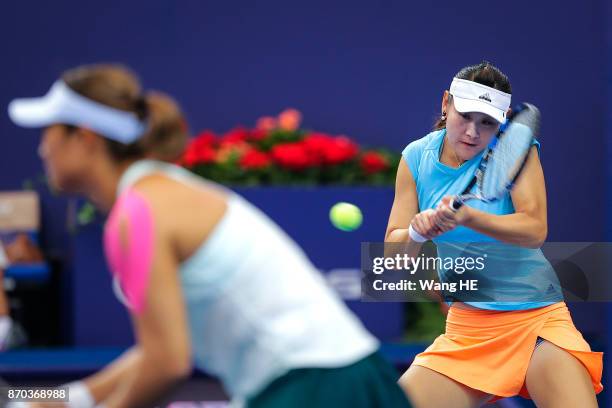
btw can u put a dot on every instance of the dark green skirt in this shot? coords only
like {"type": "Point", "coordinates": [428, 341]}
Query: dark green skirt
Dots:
{"type": "Point", "coordinates": [368, 383]}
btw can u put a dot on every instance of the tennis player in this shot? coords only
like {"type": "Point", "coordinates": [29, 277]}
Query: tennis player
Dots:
{"type": "Point", "coordinates": [490, 350]}
{"type": "Point", "coordinates": [206, 276]}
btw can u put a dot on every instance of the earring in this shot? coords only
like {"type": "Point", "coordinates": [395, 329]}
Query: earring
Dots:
{"type": "Point", "coordinates": [443, 116]}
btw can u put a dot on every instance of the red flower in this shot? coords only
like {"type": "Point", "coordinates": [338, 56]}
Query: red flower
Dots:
{"type": "Point", "coordinates": [256, 135]}
{"type": "Point", "coordinates": [254, 159]}
{"type": "Point", "coordinates": [373, 162]}
{"type": "Point", "coordinates": [236, 135]}
{"type": "Point", "coordinates": [200, 149]}
{"type": "Point", "coordinates": [289, 120]}
{"type": "Point", "coordinates": [231, 148]}
{"type": "Point", "coordinates": [341, 150]}
{"type": "Point", "coordinates": [205, 139]}
{"type": "Point", "coordinates": [198, 155]}
{"type": "Point", "coordinates": [331, 150]}
{"type": "Point", "coordinates": [294, 156]}
{"type": "Point", "coordinates": [317, 142]}
{"type": "Point", "coordinates": [266, 123]}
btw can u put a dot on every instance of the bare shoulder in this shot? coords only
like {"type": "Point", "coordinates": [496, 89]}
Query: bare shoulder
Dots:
{"type": "Point", "coordinates": [183, 211]}
{"type": "Point", "coordinates": [165, 193]}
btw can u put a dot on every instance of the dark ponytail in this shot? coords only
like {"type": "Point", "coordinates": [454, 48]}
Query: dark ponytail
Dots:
{"type": "Point", "coordinates": [167, 132]}
{"type": "Point", "coordinates": [484, 73]}
{"type": "Point", "coordinates": [140, 108]}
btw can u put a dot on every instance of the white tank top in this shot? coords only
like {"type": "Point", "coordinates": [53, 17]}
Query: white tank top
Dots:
{"type": "Point", "coordinates": [257, 307]}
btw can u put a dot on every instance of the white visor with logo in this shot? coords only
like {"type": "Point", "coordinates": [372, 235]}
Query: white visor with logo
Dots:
{"type": "Point", "coordinates": [470, 96]}
{"type": "Point", "coordinates": [62, 105]}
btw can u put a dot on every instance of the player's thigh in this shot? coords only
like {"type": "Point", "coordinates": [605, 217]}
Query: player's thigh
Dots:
{"type": "Point", "coordinates": [427, 388]}
{"type": "Point", "coordinates": [557, 379]}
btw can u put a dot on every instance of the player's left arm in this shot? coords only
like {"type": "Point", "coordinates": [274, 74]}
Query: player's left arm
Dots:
{"type": "Point", "coordinates": [528, 225]}
{"type": "Point", "coordinates": [159, 316]}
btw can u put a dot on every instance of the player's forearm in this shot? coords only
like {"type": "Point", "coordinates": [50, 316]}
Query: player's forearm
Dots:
{"type": "Point", "coordinates": [518, 228]}
{"type": "Point", "coordinates": [104, 382]}
{"type": "Point", "coordinates": [412, 248]}
{"type": "Point", "coordinates": [401, 236]}
{"type": "Point", "coordinates": [156, 375]}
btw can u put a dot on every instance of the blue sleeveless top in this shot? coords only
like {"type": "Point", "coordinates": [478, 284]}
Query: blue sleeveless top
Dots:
{"type": "Point", "coordinates": [510, 269]}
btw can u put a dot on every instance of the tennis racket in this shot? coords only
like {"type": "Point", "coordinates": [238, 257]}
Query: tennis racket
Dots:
{"type": "Point", "coordinates": [503, 161]}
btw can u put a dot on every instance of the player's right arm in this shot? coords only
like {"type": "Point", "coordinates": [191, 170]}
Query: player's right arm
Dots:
{"type": "Point", "coordinates": [104, 382]}
{"type": "Point", "coordinates": [94, 389]}
{"type": "Point", "coordinates": [405, 212]}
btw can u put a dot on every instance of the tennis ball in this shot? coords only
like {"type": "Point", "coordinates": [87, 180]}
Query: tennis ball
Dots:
{"type": "Point", "coordinates": [345, 216]}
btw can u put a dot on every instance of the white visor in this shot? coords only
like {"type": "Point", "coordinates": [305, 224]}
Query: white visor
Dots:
{"type": "Point", "coordinates": [61, 105]}
{"type": "Point", "coordinates": [470, 96]}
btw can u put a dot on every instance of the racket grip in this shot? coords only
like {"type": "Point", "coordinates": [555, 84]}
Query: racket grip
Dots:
{"type": "Point", "coordinates": [456, 204]}
{"type": "Point", "coordinates": [415, 236]}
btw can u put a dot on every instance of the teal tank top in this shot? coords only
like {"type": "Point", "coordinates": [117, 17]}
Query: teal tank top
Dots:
{"type": "Point", "coordinates": [257, 307]}
{"type": "Point", "coordinates": [510, 269]}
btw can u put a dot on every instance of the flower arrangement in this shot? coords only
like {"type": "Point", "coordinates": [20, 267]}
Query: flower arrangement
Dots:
{"type": "Point", "coordinates": [278, 151]}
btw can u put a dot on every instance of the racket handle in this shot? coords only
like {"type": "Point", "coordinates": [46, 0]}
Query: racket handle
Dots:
{"type": "Point", "coordinates": [455, 204]}
{"type": "Point", "coordinates": [415, 236]}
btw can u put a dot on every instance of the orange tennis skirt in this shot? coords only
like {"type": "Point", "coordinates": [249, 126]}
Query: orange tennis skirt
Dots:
{"type": "Point", "coordinates": [489, 350]}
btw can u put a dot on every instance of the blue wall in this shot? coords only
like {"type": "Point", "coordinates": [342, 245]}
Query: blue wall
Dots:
{"type": "Point", "coordinates": [373, 70]}
{"type": "Point", "coordinates": [608, 117]}
{"type": "Point", "coordinates": [608, 142]}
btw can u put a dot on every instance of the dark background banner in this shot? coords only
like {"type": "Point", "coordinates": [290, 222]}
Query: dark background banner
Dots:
{"type": "Point", "coordinates": [373, 70]}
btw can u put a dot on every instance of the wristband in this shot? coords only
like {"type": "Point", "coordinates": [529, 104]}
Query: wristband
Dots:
{"type": "Point", "coordinates": [415, 236]}
{"type": "Point", "coordinates": [79, 396]}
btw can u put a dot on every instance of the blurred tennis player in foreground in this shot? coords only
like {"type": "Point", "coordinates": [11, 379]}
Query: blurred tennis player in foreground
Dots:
{"type": "Point", "coordinates": [490, 349]}
{"type": "Point", "coordinates": [206, 276]}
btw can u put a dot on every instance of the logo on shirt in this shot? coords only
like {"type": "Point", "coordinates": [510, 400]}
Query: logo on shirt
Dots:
{"type": "Point", "coordinates": [485, 97]}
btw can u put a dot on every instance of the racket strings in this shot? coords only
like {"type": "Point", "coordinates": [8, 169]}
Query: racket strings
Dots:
{"type": "Point", "coordinates": [505, 160]}
{"type": "Point", "coordinates": [505, 157]}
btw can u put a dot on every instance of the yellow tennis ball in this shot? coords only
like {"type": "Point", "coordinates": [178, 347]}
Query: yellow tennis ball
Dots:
{"type": "Point", "coordinates": [345, 216]}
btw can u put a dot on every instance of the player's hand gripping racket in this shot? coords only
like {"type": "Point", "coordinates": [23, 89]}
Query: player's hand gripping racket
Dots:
{"type": "Point", "coordinates": [503, 161]}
